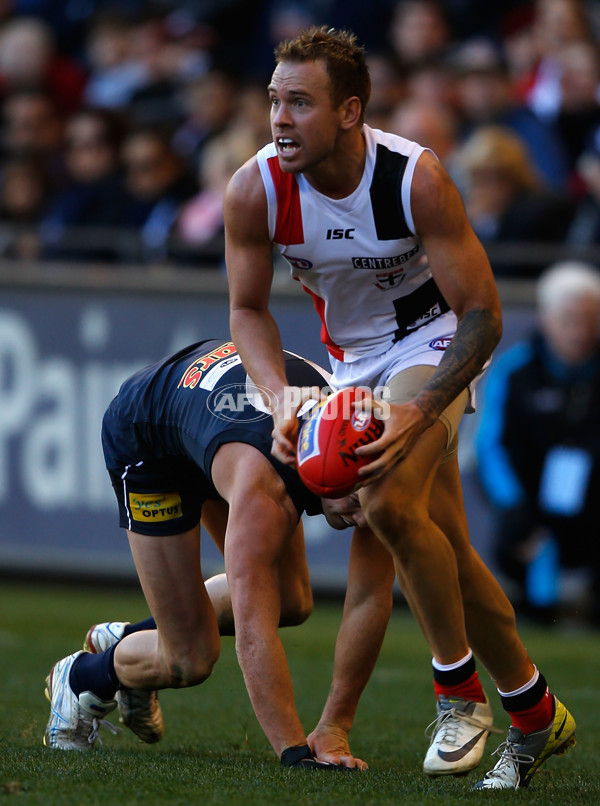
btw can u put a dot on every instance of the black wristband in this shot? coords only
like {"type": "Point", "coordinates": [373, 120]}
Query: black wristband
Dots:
{"type": "Point", "coordinates": [292, 755]}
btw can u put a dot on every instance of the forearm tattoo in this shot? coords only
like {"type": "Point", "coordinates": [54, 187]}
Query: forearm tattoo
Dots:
{"type": "Point", "coordinates": [477, 334]}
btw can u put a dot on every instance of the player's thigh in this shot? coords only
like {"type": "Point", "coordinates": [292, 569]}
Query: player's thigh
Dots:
{"type": "Point", "coordinates": [406, 384]}
{"type": "Point", "coordinates": [170, 574]}
{"type": "Point", "coordinates": [215, 513]}
{"type": "Point", "coordinates": [403, 492]}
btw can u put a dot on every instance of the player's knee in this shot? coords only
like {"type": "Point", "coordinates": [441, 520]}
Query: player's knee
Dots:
{"type": "Point", "coordinates": [393, 518]}
{"type": "Point", "coordinates": [191, 669]}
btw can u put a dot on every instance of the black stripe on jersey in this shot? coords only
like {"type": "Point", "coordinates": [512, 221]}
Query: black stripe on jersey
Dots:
{"type": "Point", "coordinates": [419, 308]}
{"type": "Point", "coordinates": [386, 195]}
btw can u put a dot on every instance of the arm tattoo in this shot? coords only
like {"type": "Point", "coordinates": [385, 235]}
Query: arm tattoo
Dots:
{"type": "Point", "coordinates": [477, 334]}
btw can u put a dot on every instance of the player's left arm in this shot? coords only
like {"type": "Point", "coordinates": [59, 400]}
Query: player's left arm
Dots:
{"type": "Point", "coordinates": [463, 274]}
{"type": "Point", "coordinates": [462, 271]}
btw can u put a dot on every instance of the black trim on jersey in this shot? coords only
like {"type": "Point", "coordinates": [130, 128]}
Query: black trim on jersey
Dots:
{"type": "Point", "coordinates": [419, 308]}
{"type": "Point", "coordinates": [386, 195]}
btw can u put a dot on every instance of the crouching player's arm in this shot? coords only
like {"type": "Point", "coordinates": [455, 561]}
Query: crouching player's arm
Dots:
{"type": "Point", "coordinates": [367, 610]}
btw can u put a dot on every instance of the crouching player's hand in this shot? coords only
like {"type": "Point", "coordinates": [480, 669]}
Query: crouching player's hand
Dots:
{"type": "Point", "coordinates": [330, 743]}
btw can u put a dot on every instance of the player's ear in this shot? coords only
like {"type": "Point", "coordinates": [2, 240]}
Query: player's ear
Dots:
{"type": "Point", "coordinates": [351, 110]}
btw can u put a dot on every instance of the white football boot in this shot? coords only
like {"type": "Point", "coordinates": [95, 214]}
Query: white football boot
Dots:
{"type": "Point", "coordinates": [458, 736]}
{"type": "Point", "coordinates": [74, 721]}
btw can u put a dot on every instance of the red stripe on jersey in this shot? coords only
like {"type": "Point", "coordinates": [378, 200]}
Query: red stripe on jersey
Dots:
{"type": "Point", "coordinates": [333, 348]}
{"type": "Point", "coordinates": [288, 228]}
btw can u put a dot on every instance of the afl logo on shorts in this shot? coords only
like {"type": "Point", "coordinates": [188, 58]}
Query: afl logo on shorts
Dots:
{"type": "Point", "coordinates": [441, 344]}
{"type": "Point", "coordinates": [299, 262]}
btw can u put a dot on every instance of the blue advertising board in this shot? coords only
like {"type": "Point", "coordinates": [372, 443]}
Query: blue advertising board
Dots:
{"type": "Point", "coordinates": [63, 355]}
{"type": "Point", "coordinates": [64, 350]}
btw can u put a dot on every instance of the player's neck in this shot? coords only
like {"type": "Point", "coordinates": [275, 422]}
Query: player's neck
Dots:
{"type": "Point", "coordinates": [341, 172]}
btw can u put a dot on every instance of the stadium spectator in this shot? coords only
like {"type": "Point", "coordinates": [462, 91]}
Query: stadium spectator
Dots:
{"type": "Point", "coordinates": [578, 114]}
{"type": "Point", "coordinates": [485, 96]}
{"type": "Point", "coordinates": [506, 202]}
{"type": "Point", "coordinates": [93, 200]}
{"type": "Point", "coordinates": [584, 229]}
{"type": "Point", "coordinates": [432, 82]}
{"type": "Point", "coordinates": [114, 75]}
{"type": "Point", "coordinates": [158, 185]}
{"type": "Point", "coordinates": [24, 192]}
{"type": "Point", "coordinates": [251, 114]}
{"type": "Point", "coordinates": [422, 322]}
{"type": "Point", "coordinates": [209, 104]}
{"type": "Point", "coordinates": [387, 88]}
{"type": "Point", "coordinates": [430, 125]}
{"type": "Point", "coordinates": [538, 443]}
{"type": "Point", "coordinates": [156, 102]}
{"type": "Point", "coordinates": [419, 31]}
{"type": "Point", "coordinates": [32, 127]}
{"type": "Point", "coordinates": [200, 225]}
{"type": "Point", "coordinates": [556, 24]}
{"type": "Point", "coordinates": [29, 60]}
{"type": "Point", "coordinates": [168, 449]}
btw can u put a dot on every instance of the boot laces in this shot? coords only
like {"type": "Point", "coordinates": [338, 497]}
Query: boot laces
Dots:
{"type": "Point", "coordinates": [507, 768]}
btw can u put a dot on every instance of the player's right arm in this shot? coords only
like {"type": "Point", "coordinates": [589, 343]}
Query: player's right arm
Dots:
{"type": "Point", "coordinates": [367, 609]}
{"type": "Point", "coordinates": [249, 260]}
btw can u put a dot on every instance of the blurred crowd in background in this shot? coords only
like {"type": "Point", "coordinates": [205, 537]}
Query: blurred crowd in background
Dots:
{"type": "Point", "coordinates": [123, 121]}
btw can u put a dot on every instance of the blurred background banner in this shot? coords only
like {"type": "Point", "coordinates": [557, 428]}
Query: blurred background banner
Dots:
{"type": "Point", "coordinates": [66, 344]}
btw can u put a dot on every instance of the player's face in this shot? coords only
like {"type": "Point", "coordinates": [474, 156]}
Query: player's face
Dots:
{"type": "Point", "coordinates": [344, 512]}
{"type": "Point", "coordinates": [304, 122]}
{"type": "Point", "coordinates": [573, 328]}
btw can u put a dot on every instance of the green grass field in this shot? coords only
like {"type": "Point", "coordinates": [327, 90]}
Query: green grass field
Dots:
{"type": "Point", "coordinates": [214, 752]}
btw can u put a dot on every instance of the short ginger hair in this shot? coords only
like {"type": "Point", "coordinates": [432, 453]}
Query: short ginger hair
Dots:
{"type": "Point", "coordinates": [344, 59]}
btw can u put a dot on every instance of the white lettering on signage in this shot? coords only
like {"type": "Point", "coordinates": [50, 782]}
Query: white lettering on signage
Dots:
{"type": "Point", "coordinates": [51, 412]}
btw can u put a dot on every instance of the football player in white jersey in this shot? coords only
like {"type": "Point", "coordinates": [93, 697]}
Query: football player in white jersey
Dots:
{"type": "Point", "coordinates": [377, 233]}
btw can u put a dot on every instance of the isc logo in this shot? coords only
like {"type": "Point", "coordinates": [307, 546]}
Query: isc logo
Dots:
{"type": "Point", "coordinates": [338, 234]}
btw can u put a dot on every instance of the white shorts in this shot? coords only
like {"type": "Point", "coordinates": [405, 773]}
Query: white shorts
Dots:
{"type": "Point", "coordinates": [425, 346]}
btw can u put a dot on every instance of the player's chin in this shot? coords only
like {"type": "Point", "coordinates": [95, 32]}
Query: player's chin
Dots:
{"type": "Point", "coordinates": [292, 163]}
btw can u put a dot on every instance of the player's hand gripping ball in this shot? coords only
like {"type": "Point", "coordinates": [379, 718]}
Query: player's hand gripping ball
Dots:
{"type": "Point", "coordinates": [326, 454]}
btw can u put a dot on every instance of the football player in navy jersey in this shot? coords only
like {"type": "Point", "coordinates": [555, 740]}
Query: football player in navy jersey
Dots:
{"type": "Point", "coordinates": [375, 231]}
{"type": "Point", "coordinates": [184, 437]}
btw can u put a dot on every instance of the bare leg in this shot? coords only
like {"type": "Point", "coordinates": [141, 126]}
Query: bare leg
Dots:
{"type": "Point", "coordinates": [185, 645]}
{"type": "Point", "coordinates": [489, 616]}
{"type": "Point", "coordinates": [397, 507]}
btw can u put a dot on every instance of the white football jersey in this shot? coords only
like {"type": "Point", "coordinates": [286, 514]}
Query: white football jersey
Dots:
{"type": "Point", "coordinates": [358, 257]}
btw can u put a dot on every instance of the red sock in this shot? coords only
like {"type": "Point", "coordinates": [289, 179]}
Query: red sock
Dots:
{"type": "Point", "coordinates": [469, 689]}
{"type": "Point", "coordinates": [535, 718]}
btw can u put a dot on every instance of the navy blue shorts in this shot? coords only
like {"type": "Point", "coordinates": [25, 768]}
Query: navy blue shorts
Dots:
{"type": "Point", "coordinates": [160, 435]}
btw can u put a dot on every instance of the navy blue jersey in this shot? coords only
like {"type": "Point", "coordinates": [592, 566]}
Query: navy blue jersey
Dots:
{"type": "Point", "coordinates": [161, 432]}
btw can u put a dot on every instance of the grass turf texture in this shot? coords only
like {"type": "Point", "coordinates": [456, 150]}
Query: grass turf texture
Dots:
{"type": "Point", "coordinates": [214, 752]}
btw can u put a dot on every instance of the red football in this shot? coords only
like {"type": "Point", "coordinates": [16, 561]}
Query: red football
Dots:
{"type": "Point", "coordinates": [327, 460]}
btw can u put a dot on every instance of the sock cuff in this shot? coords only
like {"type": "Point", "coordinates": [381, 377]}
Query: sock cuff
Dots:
{"type": "Point", "coordinates": [532, 695]}
{"type": "Point", "coordinates": [456, 674]}
{"type": "Point", "coordinates": [450, 667]}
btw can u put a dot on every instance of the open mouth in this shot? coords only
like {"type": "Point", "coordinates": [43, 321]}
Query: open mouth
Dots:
{"type": "Point", "coordinates": [286, 145]}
